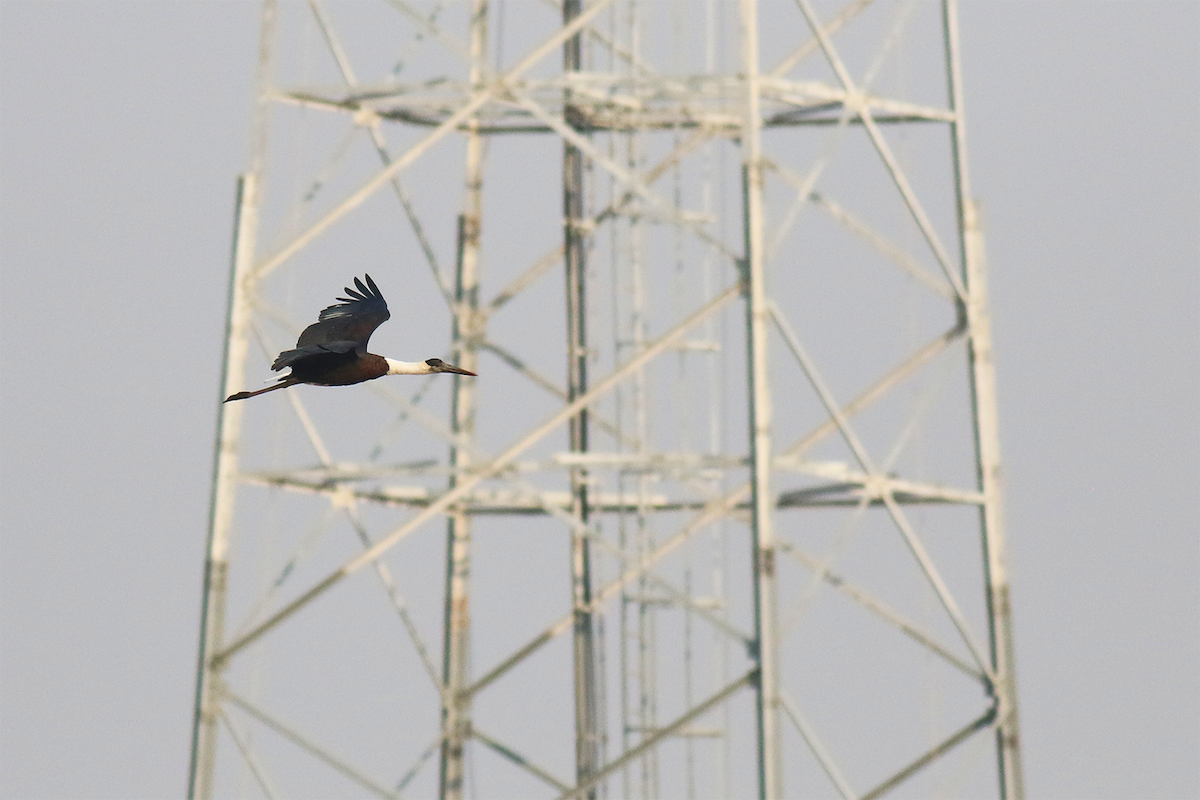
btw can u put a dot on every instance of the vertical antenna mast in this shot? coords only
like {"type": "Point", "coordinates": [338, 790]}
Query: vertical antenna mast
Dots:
{"type": "Point", "coordinates": [587, 737]}
{"type": "Point", "coordinates": [468, 331]}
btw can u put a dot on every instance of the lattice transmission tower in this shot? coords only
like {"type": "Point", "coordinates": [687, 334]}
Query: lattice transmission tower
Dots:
{"type": "Point", "coordinates": [720, 516]}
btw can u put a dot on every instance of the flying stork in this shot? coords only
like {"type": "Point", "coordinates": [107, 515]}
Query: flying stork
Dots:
{"type": "Point", "coordinates": [333, 350]}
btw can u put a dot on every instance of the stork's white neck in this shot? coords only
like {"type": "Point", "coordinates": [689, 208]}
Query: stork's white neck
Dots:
{"type": "Point", "coordinates": [408, 367]}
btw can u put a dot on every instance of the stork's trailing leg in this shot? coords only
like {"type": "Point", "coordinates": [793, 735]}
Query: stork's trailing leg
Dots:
{"type": "Point", "coordinates": [286, 382]}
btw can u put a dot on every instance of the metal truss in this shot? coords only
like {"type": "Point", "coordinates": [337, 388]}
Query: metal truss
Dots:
{"type": "Point", "coordinates": [749, 452]}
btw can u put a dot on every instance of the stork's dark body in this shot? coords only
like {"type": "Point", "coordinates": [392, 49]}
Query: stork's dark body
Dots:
{"type": "Point", "coordinates": [333, 364]}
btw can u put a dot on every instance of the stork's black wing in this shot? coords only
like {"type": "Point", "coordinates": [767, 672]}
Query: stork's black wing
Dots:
{"type": "Point", "coordinates": [352, 320]}
{"type": "Point", "coordinates": [316, 357]}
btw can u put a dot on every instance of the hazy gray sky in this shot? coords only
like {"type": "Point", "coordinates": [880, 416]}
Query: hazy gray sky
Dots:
{"type": "Point", "coordinates": [122, 128]}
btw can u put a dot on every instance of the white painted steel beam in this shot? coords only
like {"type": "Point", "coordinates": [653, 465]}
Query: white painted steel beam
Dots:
{"type": "Point", "coordinates": [469, 327]}
{"type": "Point", "coordinates": [817, 746]}
{"type": "Point", "coordinates": [931, 755]}
{"type": "Point", "coordinates": [248, 755]}
{"type": "Point", "coordinates": [762, 561]}
{"type": "Point", "coordinates": [521, 761]}
{"type": "Point", "coordinates": [224, 488]}
{"type": "Point", "coordinates": [300, 740]}
{"type": "Point", "coordinates": [662, 733]}
{"type": "Point", "coordinates": [987, 440]}
{"type": "Point", "coordinates": [883, 611]}
{"type": "Point", "coordinates": [614, 102]}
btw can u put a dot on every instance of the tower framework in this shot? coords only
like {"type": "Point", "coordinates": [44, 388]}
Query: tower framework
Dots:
{"type": "Point", "coordinates": [721, 516]}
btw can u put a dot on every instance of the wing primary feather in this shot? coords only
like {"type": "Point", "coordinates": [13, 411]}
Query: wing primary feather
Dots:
{"type": "Point", "coordinates": [354, 318]}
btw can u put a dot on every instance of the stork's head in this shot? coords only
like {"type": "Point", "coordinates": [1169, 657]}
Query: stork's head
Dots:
{"type": "Point", "coordinates": [430, 366]}
{"type": "Point", "coordinates": [437, 365]}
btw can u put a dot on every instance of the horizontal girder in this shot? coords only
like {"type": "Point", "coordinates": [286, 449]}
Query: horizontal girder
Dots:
{"type": "Point", "coordinates": [612, 102]}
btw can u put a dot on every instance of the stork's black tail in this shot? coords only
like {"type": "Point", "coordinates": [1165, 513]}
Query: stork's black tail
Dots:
{"type": "Point", "coordinates": [243, 395]}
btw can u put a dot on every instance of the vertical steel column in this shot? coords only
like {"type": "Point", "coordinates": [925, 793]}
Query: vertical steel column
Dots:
{"type": "Point", "coordinates": [987, 446]}
{"type": "Point", "coordinates": [229, 429]}
{"type": "Point", "coordinates": [456, 645]}
{"type": "Point", "coordinates": [987, 440]}
{"type": "Point", "coordinates": [224, 487]}
{"type": "Point", "coordinates": [586, 727]}
{"type": "Point", "coordinates": [763, 561]}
